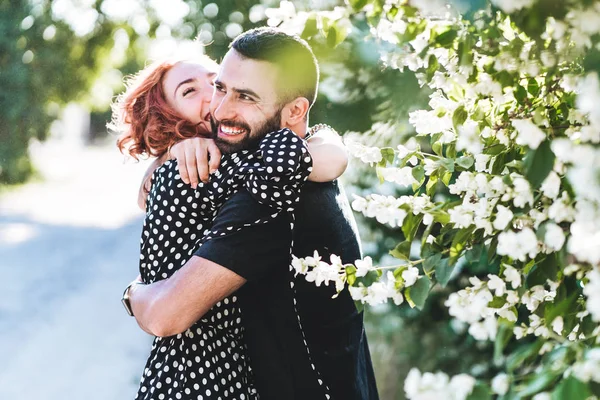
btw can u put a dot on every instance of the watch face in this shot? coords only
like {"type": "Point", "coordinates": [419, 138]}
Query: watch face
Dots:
{"type": "Point", "coordinates": [127, 306]}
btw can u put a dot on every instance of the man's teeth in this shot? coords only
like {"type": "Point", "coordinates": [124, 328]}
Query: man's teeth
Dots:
{"type": "Point", "coordinates": [231, 131]}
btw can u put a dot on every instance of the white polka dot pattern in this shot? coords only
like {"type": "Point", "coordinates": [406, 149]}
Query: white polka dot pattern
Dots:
{"type": "Point", "coordinates": [208, 360]}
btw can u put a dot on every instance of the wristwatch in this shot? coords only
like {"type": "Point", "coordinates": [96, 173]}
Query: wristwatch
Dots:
{"type": "Point", "coordinates": [125, 299]}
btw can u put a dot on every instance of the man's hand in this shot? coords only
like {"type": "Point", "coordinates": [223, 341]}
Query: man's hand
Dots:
{"type": "Point", "coordinates": [193, 161]}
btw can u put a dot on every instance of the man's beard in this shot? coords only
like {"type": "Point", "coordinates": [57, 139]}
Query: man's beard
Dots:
{"type": "Point", "coordinates": [252, 137]}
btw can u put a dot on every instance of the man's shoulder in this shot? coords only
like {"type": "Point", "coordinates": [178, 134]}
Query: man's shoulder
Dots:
{"type": "Point", "coordinates": [245, 207]}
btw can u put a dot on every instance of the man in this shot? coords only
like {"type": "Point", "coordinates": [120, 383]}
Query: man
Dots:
{"type": "Point", "coordinates": [303, 344]}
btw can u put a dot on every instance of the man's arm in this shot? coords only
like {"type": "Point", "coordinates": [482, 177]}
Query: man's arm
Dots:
{"type": "Point", "coordinates": [220, 267]}
{"type": "Point", "coordinates": [171, 306]}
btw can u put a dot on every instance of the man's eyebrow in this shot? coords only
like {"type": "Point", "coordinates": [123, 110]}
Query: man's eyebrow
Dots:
{"type": "Point", "coordinates": [249, 92]}
{"type": "Point", "coordinates": [183, 83]}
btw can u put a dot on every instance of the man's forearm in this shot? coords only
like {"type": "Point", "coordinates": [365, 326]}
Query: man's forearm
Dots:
{"type": "Point", "coordinates": [171, 306]}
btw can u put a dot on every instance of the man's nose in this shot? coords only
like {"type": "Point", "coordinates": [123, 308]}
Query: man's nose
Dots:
{"type": "Point", "coordinates": [224, 108]}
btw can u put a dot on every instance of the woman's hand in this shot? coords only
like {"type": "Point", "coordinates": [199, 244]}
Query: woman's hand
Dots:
{"type": "Point", "coordinates": [196, 159]}
{"type": "Point", "coordinates": [329, 154]}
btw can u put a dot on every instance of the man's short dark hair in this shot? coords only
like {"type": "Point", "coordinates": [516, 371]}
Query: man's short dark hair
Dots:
{"type": "Point", "coordinates": [299, 71]}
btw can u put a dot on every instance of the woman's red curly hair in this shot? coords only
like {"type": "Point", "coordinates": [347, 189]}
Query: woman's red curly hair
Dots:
{"type": "Point", "coordinates": [146, 124]}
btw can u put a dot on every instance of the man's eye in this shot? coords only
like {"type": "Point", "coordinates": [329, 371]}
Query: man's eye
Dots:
{"type": "Point", "coordinates": [187, 91]}
{"type": "Point", "coordinates": [245, 97]}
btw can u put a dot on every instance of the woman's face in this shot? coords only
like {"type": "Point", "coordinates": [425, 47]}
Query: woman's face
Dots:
{"type": "Point", "coordinates": [188, 89]}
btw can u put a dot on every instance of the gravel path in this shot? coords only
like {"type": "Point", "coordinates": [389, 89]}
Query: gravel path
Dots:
{"type": "Point", "coordinates": [68, 247]}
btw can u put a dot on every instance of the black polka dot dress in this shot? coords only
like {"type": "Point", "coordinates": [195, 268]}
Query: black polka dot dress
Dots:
{"type": "Point", "coordinates": [209, 360]}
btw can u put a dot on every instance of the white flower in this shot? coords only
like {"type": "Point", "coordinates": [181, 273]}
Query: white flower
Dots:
{"type": "Point", "coordinates": [400, 176]}
{"type": "Point", "coordinates": [500, 384]}
{"type": "Point", "coordinates": [520, 245]}
{"type": "Point", "coordinates": [551, 185]}
{"type": "Point", "coordinates": [377, 293]}
{"type": "Point", "coordinates": [430, 166]}
{"type": "Point", "coordinates": [558, 325]}
{"type": "Point", "coordinates": [358, 293]}
{"type": "Point", "coordinates": [363, 266]}
{"type": "Point", "coordinates": [528, 133]}
{"type": "Point", "coordinates": [325, 273]}
{"type": "Point", "coordinates": [427, 219]}
{"type": "Point", "coordinates": [503, 217]}
{"type": "Point", "coordinates": [555, 237]}
{"type": "Point", "coordinates": [359, 204]}
{"type": "Point", "coordinates": [461, 386]}
{"type": "Point", "coordinates": [427, 122]}
{"type": "Point", "coordinates": [410, 276]}
{"type": "Point", "coordinates": [468, 138]}
{"type": "Point", "coordinates": [512, 276]}
{"type": "Point", "coordinates": [522, 192]}
{"type": "Point", "coordinates": [366, 154]}
{"type": "Point", "coordinates": [484, 330]}
{"type": "Point", "coordinates": [299, 265]}
{"type": "Point", "coordinates": [481, 162]}
{"type": "Point", "coordinates": [461, 217]}
{"type": "Point", "coordinates": [589, 91]}
{"type": "Point", "coordinates": [496, 284]}
{"type": "Point", "coordinates": [542, 396]}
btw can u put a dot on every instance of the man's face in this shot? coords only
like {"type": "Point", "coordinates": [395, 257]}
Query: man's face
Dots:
{"type": "Point", "coordinates": [188, 88]}
{"type": "Point", "coordinates": [245, 105]}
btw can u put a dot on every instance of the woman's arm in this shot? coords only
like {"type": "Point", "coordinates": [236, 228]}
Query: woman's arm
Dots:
{"type": "Point", "coordinates": [147, 181]}
{"type": "Point", "coordinates": [330, 157]}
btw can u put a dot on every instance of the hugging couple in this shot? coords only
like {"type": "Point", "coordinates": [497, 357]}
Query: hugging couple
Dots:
{"type": "Point", "coordinates": [240, 184]}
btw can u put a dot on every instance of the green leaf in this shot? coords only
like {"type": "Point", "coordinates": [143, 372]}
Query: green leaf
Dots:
{"type": "Point", "coordinates": [520, 94]}
{"type": "Point", "coordinates": [562, 307]}
{"type": "Point", "coordinates": [437, 148]}
{"type": "Point", "coordinates": [446, 177]}
{"type": "Point", "coordinates": [351, 274]}
{"type": "Point", "coordinates": [459, 117]}
{"type": "Point", "coordinates": [336, 34]}
{"type": "Point", "coordinates": [458, 244]}
{"type": "Point", "coordinates": [388, 154]}
{"type": "Point", "coordinates": [497, 302]}
{"type": "Point", "coordinates": [540, 381]}
{"type": "Point", "coordinates": [402, 251]}
{"type": "Point", "coordinates": [502, 338]}
{"type": "Point", "coordinates": [418, 173]}
{"type": "Point", "coordinates": [411, 225]}
{"type": "Point", "coordinates": [542, 271]}
{"type": "Point", "coordinates": [447, 163]}
{"type": "Point", "coordinates": [431, 262]}
{"type": "Point", "coordinates": [465, 161]}
{"type": "Point", "coordinates": [431, 185]}
{"type": "Point", "coordinates": [359, 306]}
{"type": "Point", "coordinates": [443, 272]}
{"type": "Point", "coordinates": [533, 87]}
{"type": "Point", "coordinates": [518, 357]}
{"type": "Point", "coordinates": [358, 5]}
{"type": "Point", "coordinates": [417, 293]}
{"type": "Point", "coordinates": [539, 163]}
{"type": "Point", "coordinates": [446, 39]}
{"type": "Point", "coordinates": [310, 27]}
{"type": "Point", "coordinates": [432, 66]}
{"type": "Point", "coordinates": [571, 388]}
{"type": "Point", "coordinates": [480, 392]}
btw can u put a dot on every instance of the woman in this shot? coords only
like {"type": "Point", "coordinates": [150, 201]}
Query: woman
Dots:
{"type": "Point", "coordinates": [165, 104]}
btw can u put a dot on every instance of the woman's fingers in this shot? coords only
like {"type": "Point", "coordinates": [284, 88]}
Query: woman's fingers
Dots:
{"type": "Point", "coordinates": [191, 164]}
{"type": "Point", "coordinates": [215, 156]}
{"type": "Point", "coordinates": [202, 162]}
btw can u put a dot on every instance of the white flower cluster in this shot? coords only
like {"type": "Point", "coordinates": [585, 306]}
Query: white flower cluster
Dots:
{"type": "Point", "coordinates": [366, 154]}
{"type": "Point", "coordinates": [430, 386]}
{"type": "Point", "coordinates": [391, 210]}
{"type": "Point", "coordinates": [522, 245]}
{"type": "Point", "coordinates": [379, 292]}
{"type": "Point", "coordinates": [319, 272]}
{"type": "Point", "coordinates": [589, 368]}
{"type": "Point", "coordinates": [471, 305]}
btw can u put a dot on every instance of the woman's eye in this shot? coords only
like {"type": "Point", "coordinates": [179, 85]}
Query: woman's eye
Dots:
{"type": "Point", "coordinates": [187, 91]}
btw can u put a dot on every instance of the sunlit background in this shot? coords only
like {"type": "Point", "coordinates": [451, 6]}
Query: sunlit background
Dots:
{"type": "Point", "coordinates": [69, 223]}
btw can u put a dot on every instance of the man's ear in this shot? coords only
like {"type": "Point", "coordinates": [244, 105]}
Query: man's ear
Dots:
{"type": "Point", "coordinates": [295, 112]}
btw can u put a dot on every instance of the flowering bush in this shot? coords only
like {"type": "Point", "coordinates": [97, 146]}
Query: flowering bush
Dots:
{"type": "Point", "coordinates": [503, 172]}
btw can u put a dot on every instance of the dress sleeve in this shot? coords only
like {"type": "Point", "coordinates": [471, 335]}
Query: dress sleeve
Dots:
{"type": "Point", "coordinates": [280, 168]}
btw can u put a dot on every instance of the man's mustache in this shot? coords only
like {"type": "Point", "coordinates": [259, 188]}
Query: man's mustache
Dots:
{"type": "Point", "coordinates": [229, 122]}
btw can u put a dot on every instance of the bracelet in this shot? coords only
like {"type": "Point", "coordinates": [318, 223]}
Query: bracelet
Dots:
{"type": "Point", "coordinates": [316, 128]}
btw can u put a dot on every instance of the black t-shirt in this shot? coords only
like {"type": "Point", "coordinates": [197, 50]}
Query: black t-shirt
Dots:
{"type": "Point", "coordinates": [303, 344]}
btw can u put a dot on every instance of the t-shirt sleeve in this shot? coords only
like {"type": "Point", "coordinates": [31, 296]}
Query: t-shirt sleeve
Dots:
{"type": "Point", "coordinates": [252, 239]}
